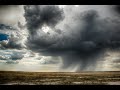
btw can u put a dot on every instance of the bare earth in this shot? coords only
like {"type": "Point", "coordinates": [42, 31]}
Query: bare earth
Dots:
{"type": "Point", "coordinates": [59, 78]}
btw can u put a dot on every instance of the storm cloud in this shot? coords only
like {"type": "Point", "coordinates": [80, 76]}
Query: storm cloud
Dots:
{"type": "Point", "coordinates": [42, 15]}
{"type": "Point", "coordinates": [79, 35]}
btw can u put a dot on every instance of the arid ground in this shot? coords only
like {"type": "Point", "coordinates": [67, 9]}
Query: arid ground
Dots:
{"type": "Point", "coordinates": [59, 78]}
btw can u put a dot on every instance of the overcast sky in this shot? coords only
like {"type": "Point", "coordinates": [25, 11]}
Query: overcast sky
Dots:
{"type": "Point", "coordinates": [57, 38]}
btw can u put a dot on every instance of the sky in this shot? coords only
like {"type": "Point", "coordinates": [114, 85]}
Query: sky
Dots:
{"type": "Point", "coordinates": [59, 38]}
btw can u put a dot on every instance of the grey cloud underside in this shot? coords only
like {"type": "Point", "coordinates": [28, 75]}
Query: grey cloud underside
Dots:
{"type": "Point", "coordinates": [117, 8]}
{"type": "Point", "coordinates": [4, 27]}
{"type": "Point", "coordinates": [82, 42]}
{"type": "Point", "coordinates": [7, 6]}
{"type": "Point", "coordinates": [42, 15]}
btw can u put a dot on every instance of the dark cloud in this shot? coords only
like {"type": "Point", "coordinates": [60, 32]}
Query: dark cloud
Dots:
{"type": "Point", "coordinates": [117, 8]}
{"type": "Point", "coordinates": [4, 27]}
{"type": "Point", "coordinates": [8, 6]}
{"type": "Point", "coordinates": [87, 36]}
{"type": "Point", "coordinates": [11, 62]}
{"type": "Point", "coordinates": [42, 15]}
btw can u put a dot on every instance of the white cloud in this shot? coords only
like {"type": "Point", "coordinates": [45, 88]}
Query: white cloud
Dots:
{"type": "Point", "coordinates": [13, 60]}
{"type": "Point", "coordinates": [11, 55]}
{"type": "Point", "coordinates": [62, 6]}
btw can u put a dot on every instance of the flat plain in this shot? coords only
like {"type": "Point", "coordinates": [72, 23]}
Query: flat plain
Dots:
{"type": "Point", "coordinates": [60, 78]}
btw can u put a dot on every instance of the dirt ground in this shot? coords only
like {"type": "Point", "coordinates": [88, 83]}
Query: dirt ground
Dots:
{"type": "Point", "coordinates": [59, 78]}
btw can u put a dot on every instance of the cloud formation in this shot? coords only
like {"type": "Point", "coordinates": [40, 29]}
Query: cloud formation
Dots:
{"type": "Point", "coordinates": [11, 21]}
{"type": "Point", "coordinates": [11, 55]}
{"type": "Point", "coordinates": [15, 37]}
{"type": "Point", "coordinates": [42, 15]}
{"type": "Point", "coordinates": [85, 33]}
